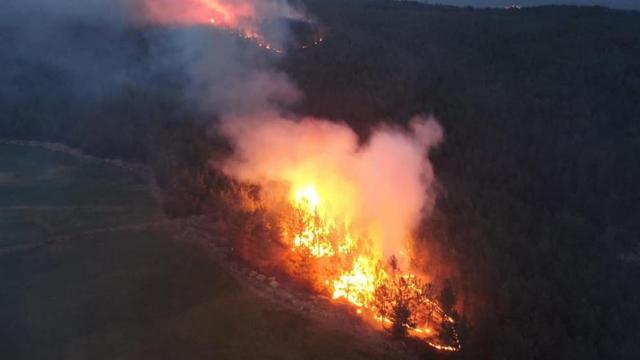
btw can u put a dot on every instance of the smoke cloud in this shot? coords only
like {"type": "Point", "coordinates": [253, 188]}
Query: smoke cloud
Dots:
{"type": "Point", "coordinates": [226, 49]}
{"type": "Point", "coordinates": [71, 48]}
{"type": "Point", "coordinates": [61, 57]}
{"type": "Point", "coordinates": [383, 186]}
{"type": "Point", "coordinates": [84, 50]}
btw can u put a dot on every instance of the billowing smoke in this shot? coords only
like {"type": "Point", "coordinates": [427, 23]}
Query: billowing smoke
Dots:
{"type": "Point", "coordinates": [383, 186]}
{"type": "Point", "coordinates": [344, 208]}
{"type": "Point", "coordinates": [227, 49]}
{"type": "Point", "coordinates": [66, 58]}
{"type": "Point", "coordinates": [244, 16]}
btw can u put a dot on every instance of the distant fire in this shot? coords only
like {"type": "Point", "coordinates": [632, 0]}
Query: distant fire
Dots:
{"type": "Point", "coordinates": [245, 18]}
{"type": "Point", "coordinates": [346, 213]}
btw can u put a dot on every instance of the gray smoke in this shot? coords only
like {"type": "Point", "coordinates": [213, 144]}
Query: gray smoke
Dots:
{"type": "Point", "coordinates": [226, 74]}
{"type": "Point", "coordinates": [64, 58]}
{"type": "Point", "coordinates": [79, 49]}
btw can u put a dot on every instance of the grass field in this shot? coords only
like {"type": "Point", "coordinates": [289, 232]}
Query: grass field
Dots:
{"type": "Point", "coordinates": [124, 294]}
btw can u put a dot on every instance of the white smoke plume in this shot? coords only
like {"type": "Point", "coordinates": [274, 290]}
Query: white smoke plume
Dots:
{"type": "Point", "coordinates": [383, 186]}
{"type": "Point", "coordinates": [221, 45]}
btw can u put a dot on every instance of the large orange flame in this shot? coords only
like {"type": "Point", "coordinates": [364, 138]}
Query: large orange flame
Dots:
{"type": "Point", "coordinates": [358, 270]}
{"type": "Point", "coordinates": [347, 211]}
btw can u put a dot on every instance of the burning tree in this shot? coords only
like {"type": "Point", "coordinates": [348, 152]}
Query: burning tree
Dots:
{"type": "Point", "coordinates": [403, 304]}
{"type": "Point", "coordinates": [341, 217]}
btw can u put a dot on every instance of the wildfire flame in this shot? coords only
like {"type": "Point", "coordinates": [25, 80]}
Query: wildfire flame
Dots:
{"type": "Point", "coordinates": [360, 281]}
{"type": "Point", "coordinates": [346, 212]}
{"type": "Point", "coordinates": [245, 18]}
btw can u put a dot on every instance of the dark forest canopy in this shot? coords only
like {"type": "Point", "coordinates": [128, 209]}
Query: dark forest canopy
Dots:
{"type": "Point", "coordinates": [539, 195]}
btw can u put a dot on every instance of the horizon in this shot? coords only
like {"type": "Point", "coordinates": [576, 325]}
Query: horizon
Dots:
{"type": "Point", "coordinates": [613, 4]}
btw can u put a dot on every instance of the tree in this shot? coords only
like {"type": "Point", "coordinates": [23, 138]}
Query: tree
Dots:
{"type": "Point", "coordinates": [447, 297]}
{"type": "Point", "coordinates": [400, 319]}
{"type": "Point", "coordinates": [404, 303]}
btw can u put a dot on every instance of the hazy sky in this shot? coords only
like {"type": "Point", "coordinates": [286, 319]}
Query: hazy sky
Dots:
{"type": "Point", "coordinates": [619, 4]}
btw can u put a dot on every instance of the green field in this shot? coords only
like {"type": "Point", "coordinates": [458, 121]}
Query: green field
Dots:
{"type": "Point", "coordinates": [124, 294]}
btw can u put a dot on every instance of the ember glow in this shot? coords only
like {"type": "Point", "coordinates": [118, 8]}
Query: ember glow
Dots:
{"type": "Point", "coordinates": [347, 211]}
{"type": "Point", "coordinates": [245, 18]}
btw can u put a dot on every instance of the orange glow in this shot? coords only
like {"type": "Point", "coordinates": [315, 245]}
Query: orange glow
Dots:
{"type": "Point", "coordinates": [346, 212]}
{"type": "Point", "coordinates": [223, 13]}
{"type": "Point", "coordinates": [242, 17]}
